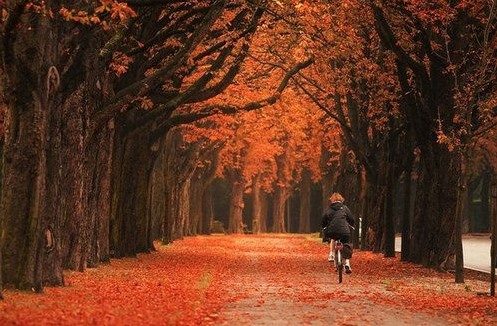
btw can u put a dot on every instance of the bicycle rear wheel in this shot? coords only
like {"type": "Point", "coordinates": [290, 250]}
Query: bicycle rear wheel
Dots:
{"type": "Point", "coordinates": [338, 258]}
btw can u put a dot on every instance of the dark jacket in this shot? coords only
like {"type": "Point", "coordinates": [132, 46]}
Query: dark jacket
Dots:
{"type": "Point", "coordinates": [336, 219]}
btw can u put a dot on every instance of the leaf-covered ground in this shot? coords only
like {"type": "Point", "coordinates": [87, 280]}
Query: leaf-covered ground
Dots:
{"type": "Point", "coordinates": [252, 280]}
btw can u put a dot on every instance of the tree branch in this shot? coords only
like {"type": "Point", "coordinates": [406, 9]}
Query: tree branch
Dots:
{"type": "Point", "coordinates": [210, 110]}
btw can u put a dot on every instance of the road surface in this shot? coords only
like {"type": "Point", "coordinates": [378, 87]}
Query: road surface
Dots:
{"type": "Point", "coordinates": [476, 251]}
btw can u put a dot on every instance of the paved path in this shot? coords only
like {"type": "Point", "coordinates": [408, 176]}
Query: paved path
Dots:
{"type": "Point", "coordinates": [476, 251]}
{"type": "Point", "coordinates": [287, 281]}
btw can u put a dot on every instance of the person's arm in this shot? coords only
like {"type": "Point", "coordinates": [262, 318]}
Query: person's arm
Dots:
{"type": "Point", "coordinates": [324, 219]}
{"type": "Point", "coordinates": [350, 217]}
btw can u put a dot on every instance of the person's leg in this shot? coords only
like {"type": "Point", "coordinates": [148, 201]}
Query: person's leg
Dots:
{"type": "Point", "coordinates": [348, 269]}
{"type": "Point", "coordinates": [331, 256]}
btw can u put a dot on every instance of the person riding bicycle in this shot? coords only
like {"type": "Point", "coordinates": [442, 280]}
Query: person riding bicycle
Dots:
{"type": "Point", "coordinates": [336, 222]}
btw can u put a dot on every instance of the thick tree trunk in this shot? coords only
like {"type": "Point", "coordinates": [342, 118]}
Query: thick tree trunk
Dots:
{"type": "Point", "coordinates": [29, 95]}
{"type": "Point", "coordinates": [435, 210]}
{"type": "Point", "coordinates": [201, 179]}
{"type": "Point", "coordinates": [181, 165]}
{"type": "Point", "coordinates": [98, 188]}
{"type": "Point", "coordinates": [305, 202]}
{"type": "Point", "coordinates": [24, 173]}
{"type": "Point", "coordinates": [130, 219]}
{"type": "Point", "coordinates": [74, 222]}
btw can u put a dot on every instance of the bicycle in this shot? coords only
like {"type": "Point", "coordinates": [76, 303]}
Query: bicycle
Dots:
{"type": "Point", "coordinates": [339, 260]}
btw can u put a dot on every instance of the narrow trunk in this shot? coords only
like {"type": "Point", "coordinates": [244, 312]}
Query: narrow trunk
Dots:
{"type": "Point", "coordinates": [279, 200]}
{"type": "Point", "coordinates": [493, 245]}
{"type": "Point", "coordinates": [236, 202]}
{"type": "Point", "coordinates": [406, 216]}
{"type": "Point", "coordinates": [328, 179]}
{"type": "Point", "coordinates": [389, 214]}
{"type": "Point", "coordinates": [196, 194]}
{"type": "Point", "coordinates": [485, 200]}
{"type": "Point", "coordinates": [305, 203]}
{"type": "Point", "coordinates": [264, 211]}
{"type": "Point", "coordinates": [359, 208]}
{"type": "Point", "coordinates": [379, 221]}
{"type": "Point", "coordinates": [462, 197]}
{"type": "Point", "coordinates": [367, 231]}
{"type": "Point", "coordinates": [256, 200]}
{"type": "Point", "coordinates": [207, 210]}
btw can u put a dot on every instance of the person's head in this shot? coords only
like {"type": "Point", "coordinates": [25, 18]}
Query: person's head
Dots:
{"type": "Point", "coordinates": [336, 197]}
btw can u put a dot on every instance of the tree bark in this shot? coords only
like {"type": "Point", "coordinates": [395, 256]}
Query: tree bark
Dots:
{"type": "Point", "coordinates": [264, 211]}
{"type": "Point", "coordinates": [130, 219]}
{"type": "Point", "coordinates": [29, 96]}
{"type": "Point", "coordinates": [236, 202]}
{"type": "Point", "coordinates": [435, 210]}
{"type": "Point", "coordinates": [207, 210]}
{"type": "Point", "coordinates": [279, 203]}
{"type": "Point", "coordinates": [257, 209]}
{"type": "Point", "coordinates": [181, 164]}
{"type": "Point", "coordinates": [406, 216]}
{"type": "Point", "coordinates": [305, 202]}
{"type": "Point", "coordinates": [462, 198]}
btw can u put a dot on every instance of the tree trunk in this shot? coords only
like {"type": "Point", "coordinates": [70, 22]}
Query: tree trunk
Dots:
{"type": "Point", "coordinates": [29, 97]}
{"type": "Point", "coordinates": [201, 179]}
{"type": "Point", "coordinates": [100, 205]}
{"type": "Point", "coordinates": [264, 211]}
{"type": "Point", "coordinates": [256, 200]}
{"type": "Point", "coordinates": [406, 216]}
{"type": "Point", "coordinates": [462, 198]}
{"type": "Point", "coordinates": [359, 209]}
{"type": "Point", "coordinates": [493, 244]}
{"type": "Point", "coordinates": [196, 208]}
{"type": "Point", "coordinates": [279, 200]}
{"type": "Point", "coordinates": [236, 202]}
{"type": "Point", "coordinates": [207, 210]}
{"type": "Point", "coordinates": [366, 232]}
{"type": "Point", "coordinates": [485, 199]}
{"type": "Point", "coordinates": [24, 173]}
{"type": "Point", "coordinates": [389, 205]}
{"type": "Point", "coordinates": [305, 202]}
{"type": "Point", "coordinates": [74, 221]}
{"type": "Point", "coordinates": [130, 219]}
{"type": "Point", "coordinates": [435, 210]}
{"type": "Point", "coordinates": [181, 164]}
{"type": "Point", "coordinates": [379, 220]}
